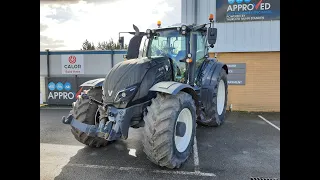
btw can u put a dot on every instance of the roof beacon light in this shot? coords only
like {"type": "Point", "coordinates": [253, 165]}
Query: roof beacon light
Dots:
{"type": "Point", "coordinates": [211, 17]}
{"type": "Point", "coordinates": [159, 23]}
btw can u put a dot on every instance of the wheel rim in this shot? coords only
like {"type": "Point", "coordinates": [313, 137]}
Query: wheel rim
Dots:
{"type": "Point", "coordinates": [221, 97]}
{"type": "Point", "coordinates": [182, 143]}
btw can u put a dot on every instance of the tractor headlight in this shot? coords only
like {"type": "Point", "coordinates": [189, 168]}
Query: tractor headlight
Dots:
{"type": "Point", "coordinates": [148, 32]}
{"type": "Point", "coordinates": [126, 94]}
{"type": "Point", "coordinates": [183, 29]}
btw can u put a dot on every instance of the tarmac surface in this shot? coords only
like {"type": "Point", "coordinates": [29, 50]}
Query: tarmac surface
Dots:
{"type": "Point", "coordinates": [246, 145]}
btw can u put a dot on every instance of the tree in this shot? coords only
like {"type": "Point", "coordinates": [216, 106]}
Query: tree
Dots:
{"type": "Point", "coordinates": [104, 45]}
{"type": "Point", "coordinates": [108, 45]}
{"type": "Point", "coordinates": [86, 45]}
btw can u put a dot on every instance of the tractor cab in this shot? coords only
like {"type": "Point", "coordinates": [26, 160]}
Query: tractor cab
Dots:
{"type": "Point", "coordinates": [185, 45]}
{"type": "Point", "coordinates": [169, 43]}
{"type": "Point", "coordinates": [174, 42]}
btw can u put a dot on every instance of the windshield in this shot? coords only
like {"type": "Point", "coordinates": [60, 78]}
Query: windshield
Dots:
{"type": "Point", "coordinates": [169, 43]}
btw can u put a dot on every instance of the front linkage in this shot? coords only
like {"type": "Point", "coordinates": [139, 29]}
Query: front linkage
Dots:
{"type": "Point", "coordinates": [109, 130]}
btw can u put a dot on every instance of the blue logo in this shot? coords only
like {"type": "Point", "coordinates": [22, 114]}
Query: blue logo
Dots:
{"type": "Point", "coordinates": [67, 86]}
{"type": "Point", "coordinates": [231, 1]}
{"type": "Point", "coordinates": [59, 86]}
{"type": "Point", "coordinates": [246, 1]}
{"type": "Point", "coordinates": [239, 1]}
{"type": "Point", "coordinates": [51, 86]}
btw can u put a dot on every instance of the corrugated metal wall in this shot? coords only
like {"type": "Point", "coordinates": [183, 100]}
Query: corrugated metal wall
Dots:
{"type": "Point", "coordinates": [96, 63]}
{"type": "Point", "coordinates": [43, 65]}
{"type": "Point", "coordinates": [234, 37]}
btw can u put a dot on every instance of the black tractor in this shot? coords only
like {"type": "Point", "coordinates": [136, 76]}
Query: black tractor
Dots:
{"type": "Point", "coordinates": [167, 90]}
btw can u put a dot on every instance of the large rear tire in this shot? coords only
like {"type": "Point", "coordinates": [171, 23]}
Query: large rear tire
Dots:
{"type": "Point", "coordinates": [86, 113]}
{"type": "Point", "coordinates": [216, 113]}
{"type": "Point", "coordinates": [166, 114]}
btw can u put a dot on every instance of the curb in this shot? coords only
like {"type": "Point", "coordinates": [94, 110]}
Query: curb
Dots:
{"type": "Point", "coordinates": [55, 107]}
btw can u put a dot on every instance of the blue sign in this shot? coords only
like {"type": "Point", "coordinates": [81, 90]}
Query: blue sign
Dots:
{"type": "Point", "coordinates": [51, 86]}
{"type": "Point", "coordinates": [63, 90]}
{"type": "Point", "coordinates": [67, 86]}
{"type": "Point", "coordinates": [247, 10]}
{"type": "Point", "coordinates": [59, 86]}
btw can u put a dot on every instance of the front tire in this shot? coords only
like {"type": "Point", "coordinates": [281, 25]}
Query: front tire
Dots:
{"type": "Point", "coordinates": [167, 142]}
{"type": "Point", "coordinates": [86, 113]}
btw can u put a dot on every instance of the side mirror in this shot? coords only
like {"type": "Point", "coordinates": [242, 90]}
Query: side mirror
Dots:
{"type": "Point", "coordinates": [212, 36]}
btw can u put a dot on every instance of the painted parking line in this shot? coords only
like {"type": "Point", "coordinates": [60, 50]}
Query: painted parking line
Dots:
{"type": "Point", "coordinates": [53, 157]}
{"type": "Point", "coordinates": [197, 171]}
{"type": "Point", "coordinates": [195, 155]}
{"type": "Point", "coordinates": [269, 122]}
{"type": "Point", "coordinates": [141, 170]}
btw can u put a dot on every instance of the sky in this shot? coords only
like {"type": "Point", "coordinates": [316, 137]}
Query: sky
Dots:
{"type": "Point", "coordinates": [66, 25]}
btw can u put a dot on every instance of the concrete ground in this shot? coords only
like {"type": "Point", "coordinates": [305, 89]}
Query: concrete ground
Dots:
{"type": "Point", "coordinates": [246, 145]}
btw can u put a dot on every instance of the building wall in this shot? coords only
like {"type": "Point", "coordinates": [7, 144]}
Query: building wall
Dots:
{"type": "Point", "coordinates": [262, 89]}
{"type": "Point", "coordinates": [233, 36]}
{"type": "Point", "coordinates": [256, 43]}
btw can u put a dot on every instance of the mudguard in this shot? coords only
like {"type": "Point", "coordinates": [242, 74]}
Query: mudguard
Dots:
{"type": "Point", "coordinates": [93, 83]}
{"type": "Point", "coordinates": [210, 71]}
{"type": "Point", "coordinates": [207, 79]}
{"type": "Point", "coordinates": [219, 67]}
{"type": "Point", "coordinates": [172, 87]}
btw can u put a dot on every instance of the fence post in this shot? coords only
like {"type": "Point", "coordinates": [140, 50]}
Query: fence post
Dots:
{"type": "Point", "coordinates": [112, 60]}
{"type": "Point", "coordinates": [48, 61]}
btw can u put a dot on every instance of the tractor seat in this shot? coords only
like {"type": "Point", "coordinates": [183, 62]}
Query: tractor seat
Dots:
{"type": "Point", "coordinates": [181, 54]}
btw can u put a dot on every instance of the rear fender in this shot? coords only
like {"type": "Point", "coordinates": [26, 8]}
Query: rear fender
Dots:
{"type": "Point", "coordinates": [219, 67]}
{"type": "Point", "coordinates": [211, 71]}
{"type": "Point", "coordinates": [209, 80]}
